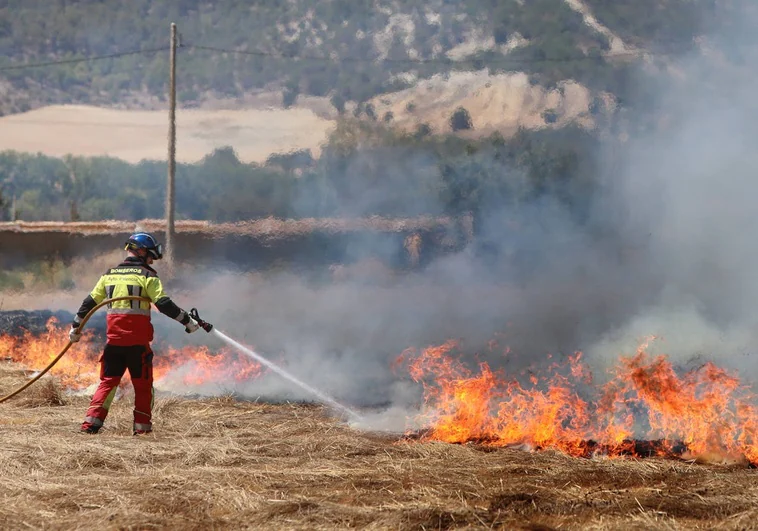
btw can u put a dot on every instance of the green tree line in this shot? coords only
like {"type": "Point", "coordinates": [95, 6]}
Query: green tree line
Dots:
{"type": "Point", "coordinates": [363, 170]}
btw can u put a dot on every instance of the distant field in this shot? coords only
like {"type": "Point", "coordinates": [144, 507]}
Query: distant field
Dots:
{"type": "Point", "coordinates": [137, 135]}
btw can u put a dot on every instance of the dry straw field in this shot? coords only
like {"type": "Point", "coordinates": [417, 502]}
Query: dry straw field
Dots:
{"type": "Point", "coordinates": [221, 463]}
{"type": "Point", "coordinates": [135, 135]}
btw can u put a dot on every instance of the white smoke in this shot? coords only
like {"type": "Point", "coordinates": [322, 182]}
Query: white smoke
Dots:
{"type": "Point", "coordinates": [677, 259]}
{"type": "Point", "coordinates": [687, 192]}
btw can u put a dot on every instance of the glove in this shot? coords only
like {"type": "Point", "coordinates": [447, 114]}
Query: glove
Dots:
{"type": "Point", "coordinates": [191, 326]}
{"type": "Point", "coordinates": [74, 335]}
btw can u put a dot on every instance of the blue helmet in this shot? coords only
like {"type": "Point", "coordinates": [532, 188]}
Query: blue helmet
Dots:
{"type": "Point", "coordinates": [144, 240]}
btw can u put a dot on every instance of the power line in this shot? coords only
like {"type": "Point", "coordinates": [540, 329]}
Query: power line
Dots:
{"type": "Point", "coordinates": [348, 59]}
{"type": "Point", "coordinates": [84, 59]}
{"type": "Point", "coordinates": [445, 61]}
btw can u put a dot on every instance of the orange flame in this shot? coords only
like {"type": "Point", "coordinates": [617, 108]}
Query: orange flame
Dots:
{"type": "Point", "coordinates": [79, 368]}
{"type": "Point", "coordinates": [707, 410]}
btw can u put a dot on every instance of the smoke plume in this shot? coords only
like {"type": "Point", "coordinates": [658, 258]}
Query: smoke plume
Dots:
{"type": "Point", "coordinates": [670, 250]}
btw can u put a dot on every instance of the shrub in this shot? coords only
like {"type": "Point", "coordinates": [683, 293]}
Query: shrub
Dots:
{"type": "Point", "coordinates": [461, 120]}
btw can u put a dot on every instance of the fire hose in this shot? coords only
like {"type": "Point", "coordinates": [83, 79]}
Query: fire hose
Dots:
{"type": "Point", "coordinates": [193, 314]}
{"type": "Point", "coordinates": [208, 328]}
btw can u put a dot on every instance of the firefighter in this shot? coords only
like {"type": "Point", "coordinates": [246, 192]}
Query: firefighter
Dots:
{"type": "Point", "coordinates": [129, 331]}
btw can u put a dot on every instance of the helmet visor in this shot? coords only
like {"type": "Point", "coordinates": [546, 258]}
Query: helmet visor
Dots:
{"type": "Point", "coordinates": [156, 252]}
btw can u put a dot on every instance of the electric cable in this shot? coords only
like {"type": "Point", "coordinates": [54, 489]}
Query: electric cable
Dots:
{"type": "Point", "coordinates": [83, 59]}
{"type": "Point", "coordinates": [441, 61]}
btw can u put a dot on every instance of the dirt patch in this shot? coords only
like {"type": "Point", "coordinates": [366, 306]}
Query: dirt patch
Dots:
{"type": "Point", "coordinates": [496, 102]}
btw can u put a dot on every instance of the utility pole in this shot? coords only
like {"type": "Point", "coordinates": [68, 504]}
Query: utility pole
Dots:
{"type": "Point", "coordinates": [171, 187]}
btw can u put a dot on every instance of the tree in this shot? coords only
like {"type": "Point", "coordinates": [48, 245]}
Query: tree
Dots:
{"type": "Point", "coordinates": [423, 130]}
{"type": "Point", "coordinates": [292, 160]}
{"type": "Point", "coordinates": [461, 120]}
{"type": "Point", "coordinates": [550, 116]}
{"type": "Point", "coordinates": [3, 207]}
{"type": "Point", "coordinates": [290, 93]}
{"type": "Point", "coordinates": [338, 101]}
{"type": "Point", "coordinates": [501, 34]}
{"type": "Point", "coordinates": [369, 110]}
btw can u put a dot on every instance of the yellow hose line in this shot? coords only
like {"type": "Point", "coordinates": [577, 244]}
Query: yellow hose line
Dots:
{"type": "Point", "coordinates": [68, 345]}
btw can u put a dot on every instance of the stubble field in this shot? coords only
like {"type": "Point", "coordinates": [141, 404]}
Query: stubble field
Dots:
{"type": "Point", "coordinates": [221, 463]}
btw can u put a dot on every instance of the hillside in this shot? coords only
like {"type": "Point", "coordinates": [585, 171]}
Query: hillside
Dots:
{"type": "Point", "coordinates": [500, 103]}
{"type": "Point", "coordinates": [348, 51]}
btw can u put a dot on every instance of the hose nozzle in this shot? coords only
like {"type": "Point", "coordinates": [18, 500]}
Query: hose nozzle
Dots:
{"type": "Point", "coordinates": [202, 324]}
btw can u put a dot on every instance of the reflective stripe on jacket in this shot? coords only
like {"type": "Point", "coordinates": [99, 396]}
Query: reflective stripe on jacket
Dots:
{"type": "Point", "coordinates": [128, 321]}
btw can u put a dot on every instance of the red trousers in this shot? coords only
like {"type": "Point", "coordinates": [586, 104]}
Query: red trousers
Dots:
{"type": "Point", "coordinates": [113, 364]}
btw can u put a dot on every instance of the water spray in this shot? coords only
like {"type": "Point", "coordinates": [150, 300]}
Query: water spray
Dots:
{"type": "Point", "coordinates": [281, 372]}
{"type": "Point", "coordinates": [278, 370]}
{"type": "Point", "coordinates": [208, 327]}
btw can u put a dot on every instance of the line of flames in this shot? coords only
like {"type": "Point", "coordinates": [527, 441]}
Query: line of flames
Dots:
{"type": "Point", "coordinates": [707, 410]}
{"type": "Point", "coordinates": [180, 369]}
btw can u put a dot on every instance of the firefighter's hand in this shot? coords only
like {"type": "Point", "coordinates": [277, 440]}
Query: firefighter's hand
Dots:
{"type": "Point", "coordinates": [191, 326]}
{"type": "Point", "coordinates": [74, 335]}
